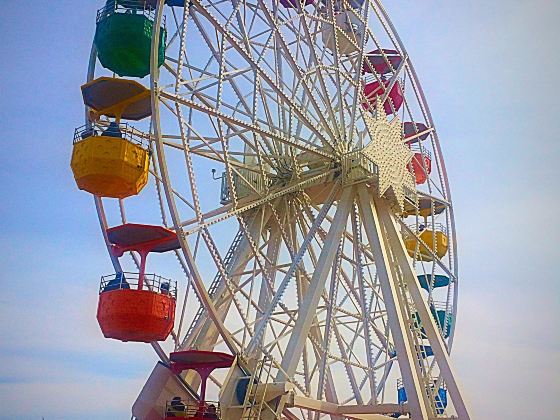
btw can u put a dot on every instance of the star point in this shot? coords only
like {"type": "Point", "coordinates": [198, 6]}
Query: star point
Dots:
{"type": "Point", "coordinates": [391, 155]}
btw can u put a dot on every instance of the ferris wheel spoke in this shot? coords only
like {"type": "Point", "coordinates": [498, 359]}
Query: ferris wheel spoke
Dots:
{"type": "Point", "coordinates": [252, 145]}
{"type": "Point", "coordinates": [351, 359]}
{"type": "Point", "coordinates": [280, 77]}
{"type": "Point", "coordinates": [433, 185]}
{"type": "Point", "coordinates": [291, 271]}
{"type": "Point", "coordinates": [216, 56]}
{"type": "Point", "coordinates": [206, 335]}
{"type": "Point", "coordinates": [321, 353]}
{"type": "Point", "coordinates": [229, 282]}
{"type": "Point", "coordinates": [176, 33]}
{"type": "Point", "coordinates": [175, 193]}
{"type": "Point", "coordinates": [236, 165]}
{"type": "Point", "coordinates": [309, 95]}
{"type": "Point", "coordinates": [351, 292]}
{"type": "Point", "coordinates": [208, 99]}
{"type": "Point", "coordinates": [394, 80]}
{"type": "Point", "coordinates": [198, 323]}
{"type": "Point", "coordinates": [358, 80]}
{"type": "Point", "coordinates": [342, 323]}
{"type": "Point", "coordinates": [267, 288]}
{"type": "Point", "coordinates": [306, 312]}
{"type": "Point", "coordinates": [211, 82]}
{"type": "Point", "coordinates": [265, 97]}
{"type": "Point", "coordinates": [212, 153]}
{"type": "Point", "coordinates": [337, 64]}
{"type": "Point", "coordinates": [327, 100]}
{"type": "Point", "coordinates": [326, 374]}
{"type": "Point", "coordinates": [307, 147]}
{"type": "Point", "coordinates": [266, 78]}
{"type": "Point", "coordinates": [348, 367]}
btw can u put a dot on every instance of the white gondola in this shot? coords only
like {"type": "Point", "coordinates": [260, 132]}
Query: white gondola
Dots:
{"type": "Point", "coordinates": [349, 33]}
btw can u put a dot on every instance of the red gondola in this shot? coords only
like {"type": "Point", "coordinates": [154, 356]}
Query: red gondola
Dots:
{"type": "Point", "coordinates": [421, 170]}
{"type": "Point", "coordinates": [393, 102]}
{"type": "Point", "coordinates": [415, 132]}
{"type": "Point", "coordinates": [382, 61]}
{"type": "Point", "coordinates": [138, 307]}
{"type": "Point", "coordinates": [204, 362]}
{"type": "Point", "coordinates": [293, 4]}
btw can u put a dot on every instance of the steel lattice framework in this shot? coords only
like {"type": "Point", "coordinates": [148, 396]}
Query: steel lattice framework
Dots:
{"type": "Point", "coordinates": [297, 255]}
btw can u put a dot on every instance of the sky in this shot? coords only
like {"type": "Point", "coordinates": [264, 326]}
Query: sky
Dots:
{"type": "Point", "coordinates": [489, 72]}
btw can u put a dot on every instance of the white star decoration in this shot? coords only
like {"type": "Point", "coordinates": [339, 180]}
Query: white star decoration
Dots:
{"type": "Point", "coordinates": [390, 153]}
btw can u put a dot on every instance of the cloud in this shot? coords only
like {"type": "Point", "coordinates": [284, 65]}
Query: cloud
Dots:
{"type": "Point", "coordinates": [504, 352]}
{"type": "Point", "coordinates": [82, 397]}
{"type": "Point", "coordinates": [54, 361]}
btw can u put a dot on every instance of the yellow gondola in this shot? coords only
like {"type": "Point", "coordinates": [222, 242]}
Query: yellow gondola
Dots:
{"type": "Point", "coordinates": [111, 163]}
{"type": "Point", "coordinates": [110, 160]}
{"type": "Point", "coordinates": [432, 241]}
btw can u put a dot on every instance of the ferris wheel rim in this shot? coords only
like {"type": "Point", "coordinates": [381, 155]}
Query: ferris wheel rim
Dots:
{"type": "Point", "coordinates": [425, 105]}
{"type": "Point", "coordinates": [444, 173]}
{"type": "Point", "coordinates": [170, 194]}
{"type": "Point", "coordinates": [154, 75]}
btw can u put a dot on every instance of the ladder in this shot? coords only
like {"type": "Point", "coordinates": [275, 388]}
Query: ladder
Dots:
{"type": "Point", "coordinates": [420, 349]}
{"type": "Point", "coordinates": [228, 263]}
{"type": "Point", "coordinates": [252, 407]}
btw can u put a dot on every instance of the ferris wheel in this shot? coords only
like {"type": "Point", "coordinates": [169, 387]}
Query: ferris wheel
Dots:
{"type": "Point", "coordinates": [284, 163]}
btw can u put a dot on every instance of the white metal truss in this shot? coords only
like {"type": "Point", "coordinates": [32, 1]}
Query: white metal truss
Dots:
{"type": "Point", "coordinates": [293, 255]}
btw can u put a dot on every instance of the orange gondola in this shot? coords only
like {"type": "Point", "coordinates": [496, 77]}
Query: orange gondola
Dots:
{"type": "Point", "coordinates": [138, 307]}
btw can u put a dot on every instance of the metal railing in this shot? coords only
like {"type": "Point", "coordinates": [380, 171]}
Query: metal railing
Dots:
{"type": "Point", "coordinates": [136, 7]}
{"type": "Point", "coordinates": [356, 166]}
{"type": "Point", "coordinates": [442, 306]}
{"type": "Point", "coordinates": [178, 408]}
{"type": "Point", "coordinates": [421, 227]}
{"type": "Point", "coordinates": [255, 408]}
{"type": "Point", "coordinates": [122, 130]}
{"type": "Point", "coordinates": [435, 395]}
{"type": "Point", "coordinates": [347, 22]}
{"type": "Point", "coordinates": [371, 78]}
{"type": "Point", "coordinates": [411, 195]}
{"type": "Point", "coordinates": [444, 325]}
{"type": "Point", "coordinates": [415, 148]}
{"type": "Point", "coordinates": [126, 280]}
{"type": "Point", "coordinates": [225, 192]}
{"type": "Point", "coordinates": [401, 392]}
{"type": "Point", "coordinates": [258, 185]}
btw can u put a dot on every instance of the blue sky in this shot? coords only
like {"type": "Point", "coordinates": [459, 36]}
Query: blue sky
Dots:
{"type": "Point", "coordinates": [489, 71]}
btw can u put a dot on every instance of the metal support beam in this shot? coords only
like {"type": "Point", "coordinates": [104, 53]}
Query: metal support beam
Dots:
{"type": "Point", "coordinates": [359, 412]}
{"type": "Point", "coordinates": [207, 336]}
{"type": "Point", "coordinates": [428, 323]}
{"type": "Point", "coordinates": [418, 403]}
{"type": "Point", "coordinates": [265, 293]}
{"type": "Point", "coordinates": [308, 308]}
{"type": "Point", "coordinates": [296, 260]}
